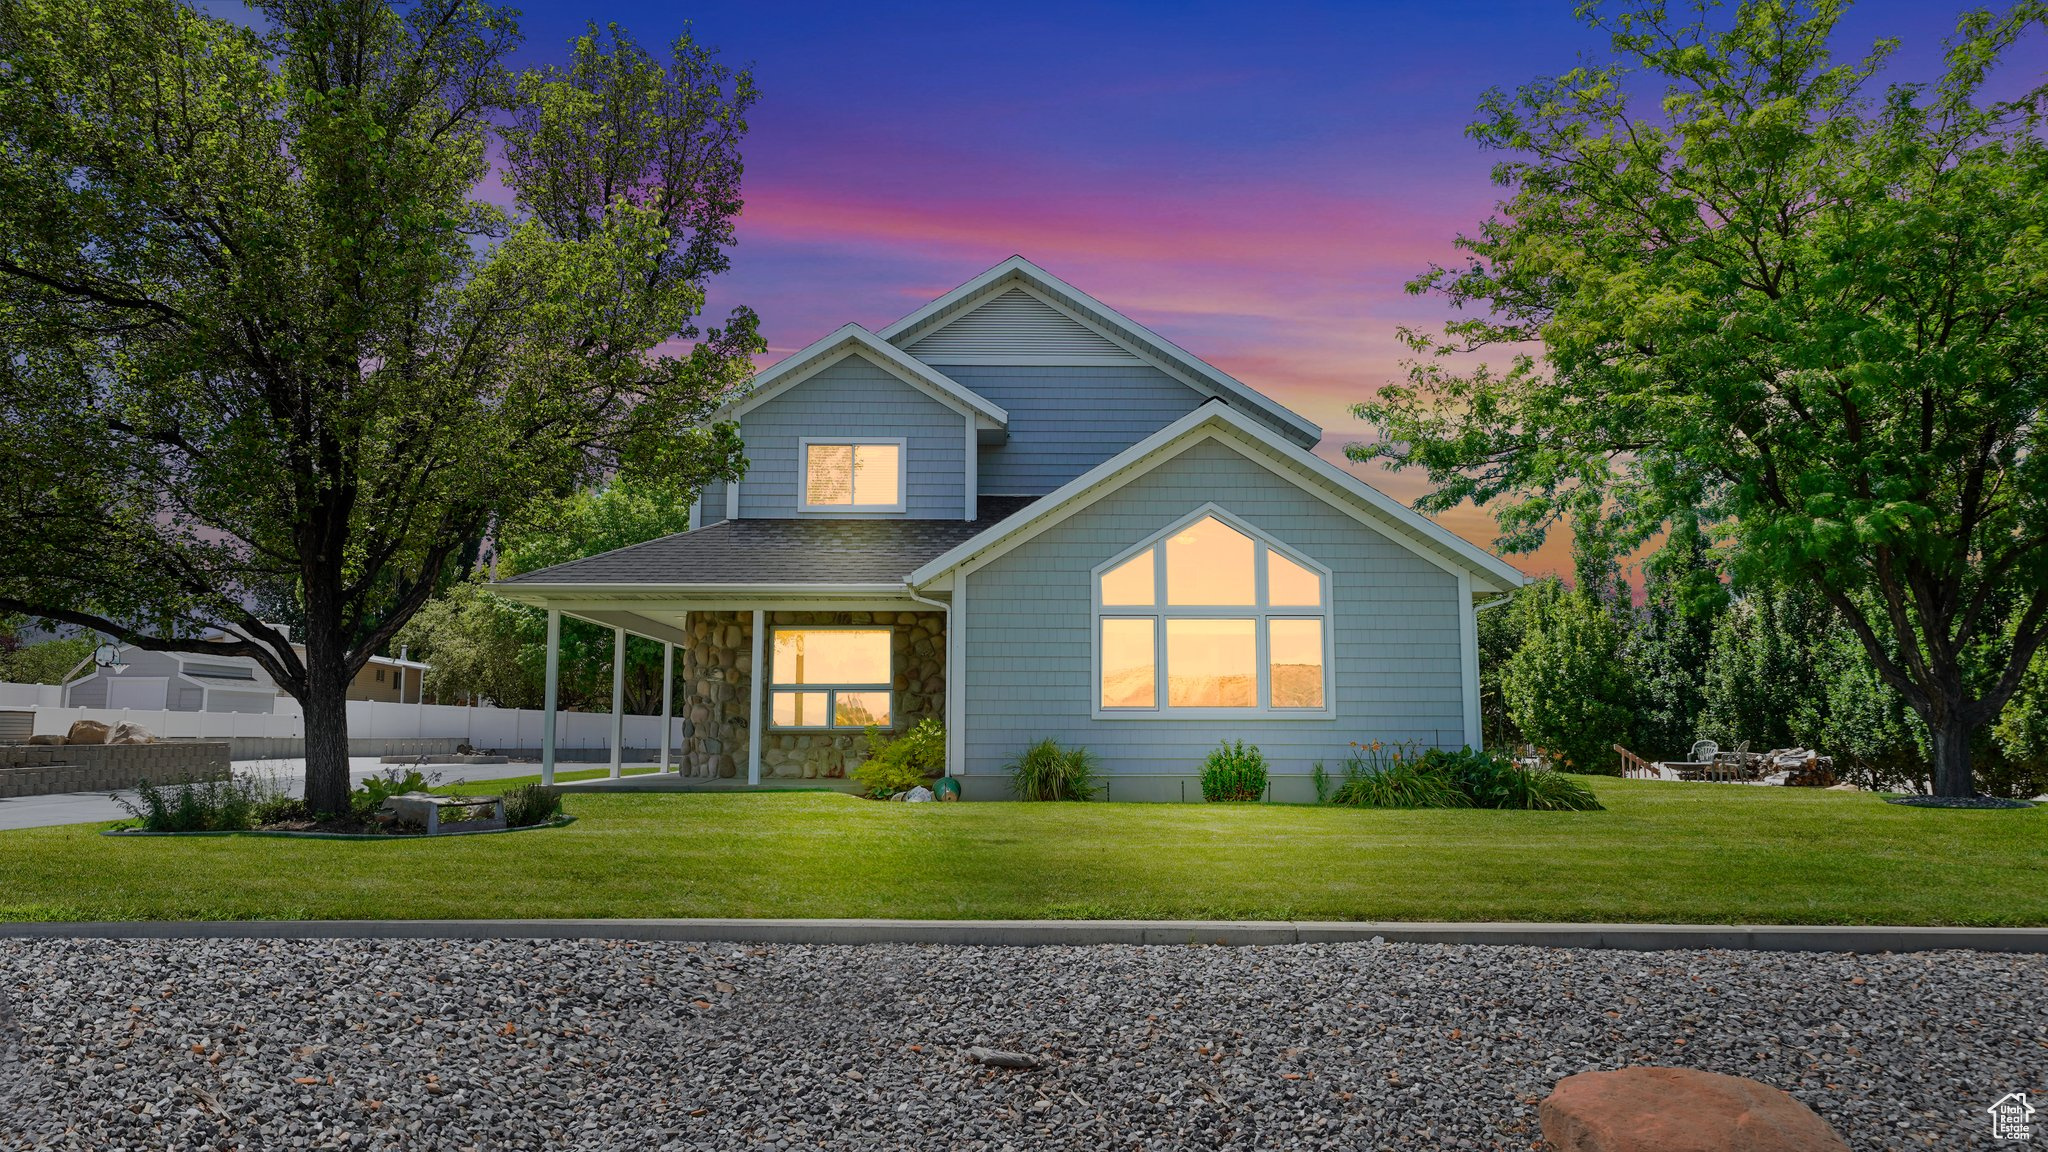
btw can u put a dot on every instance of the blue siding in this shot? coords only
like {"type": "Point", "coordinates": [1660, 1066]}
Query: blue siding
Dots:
{"type": "Point", "coordinates": [855, 397]}
{"type": "Point", "coordinates": [1066, 419]}
{"type": "Point", "coordinates": [1395, 617]}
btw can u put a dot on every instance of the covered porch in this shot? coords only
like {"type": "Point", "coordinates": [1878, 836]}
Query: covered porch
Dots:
{"type": "Point", "coordinates": [878, 658]}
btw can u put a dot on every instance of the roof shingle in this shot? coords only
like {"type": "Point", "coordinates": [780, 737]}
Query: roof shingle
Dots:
{"type": "Point", "coordinates": [780, 551]}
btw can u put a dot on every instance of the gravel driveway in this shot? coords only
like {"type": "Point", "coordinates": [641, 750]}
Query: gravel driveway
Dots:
{"type": "Point", "coordinates": [593, 1044]}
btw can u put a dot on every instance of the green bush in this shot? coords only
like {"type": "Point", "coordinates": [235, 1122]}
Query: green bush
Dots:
{"type": "Point", "coordinates": [204, 806]}
{"type": "Point", "coordinates": [531, 804]}
{"type": "Point", "coordinates": [1047, 771]}
{"type": "Point", "coordinates": [1403, 783]}
{"type": "Point", "coordinates": [364, 802]}
{"type": "Point", "coordinates": [281, 810]}
{"type": "Point", "coordinates": [1380, 775]}
{"type": "Point", "coordinates": [905, 762]}
{"type": "Point", "coordinates": [1234, 771]}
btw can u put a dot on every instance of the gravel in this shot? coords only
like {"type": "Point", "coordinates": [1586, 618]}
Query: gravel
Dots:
{"type": "Point", "coordinates": [606, 1044]}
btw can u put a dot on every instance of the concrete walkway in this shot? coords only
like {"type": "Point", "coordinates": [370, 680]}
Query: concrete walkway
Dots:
{"type": "Point", "coordinates": [1036, 933]}
{"type": "Point", "coordinates": [99, 807]}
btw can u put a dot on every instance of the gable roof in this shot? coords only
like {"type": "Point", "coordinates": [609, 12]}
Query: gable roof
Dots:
{"type": "Point", "coordinates": [1121, 331]}
{"type": "Point", "coordinates": [1400, 524]}
{"type": "Point", "coordinates": [1016, 326]}
{"type": "Point", "coordinates": [853, 339]}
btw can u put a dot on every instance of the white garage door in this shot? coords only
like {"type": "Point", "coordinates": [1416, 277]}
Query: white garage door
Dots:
{"type": "Point", "coordinates": [149, 692]}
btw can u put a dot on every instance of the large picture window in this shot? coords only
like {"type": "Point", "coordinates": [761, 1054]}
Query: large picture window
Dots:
{"type": "Point", "coordinates": [1211, 618]}
{"type": "Point", "coordinates": [830, 678]}
{"type": "Point", "coordinates": [852, 476]}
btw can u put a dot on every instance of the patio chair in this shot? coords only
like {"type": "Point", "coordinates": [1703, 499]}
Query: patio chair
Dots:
{"type": "Point", "coordinates": [1703, 752]}
{"type": "Point", "coordinates": [1731, 765]}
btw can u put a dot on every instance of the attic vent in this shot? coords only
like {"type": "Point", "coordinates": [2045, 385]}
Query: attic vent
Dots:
{"type": "Point", "coordinates": [1017, 324]}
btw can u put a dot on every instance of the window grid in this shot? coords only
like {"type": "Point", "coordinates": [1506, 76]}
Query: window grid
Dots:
{"type": "Point", "coordinates": [780, 689]}
{"type": "Point", "coordinates": [1261, 612]}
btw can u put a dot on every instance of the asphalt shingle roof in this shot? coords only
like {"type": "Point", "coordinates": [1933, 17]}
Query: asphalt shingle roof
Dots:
{"type": "Point", "coordinates": [780, 551]}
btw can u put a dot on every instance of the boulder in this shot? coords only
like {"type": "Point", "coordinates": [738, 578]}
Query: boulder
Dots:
{"type": "Point", "coordinates": [46, 738]}
{"type": "Point", "coordinates": [1679, 1110]}
{"type": "Point", "coordinates": [86, 732]}
{"type": "Point", "coordinates": [126, 733]}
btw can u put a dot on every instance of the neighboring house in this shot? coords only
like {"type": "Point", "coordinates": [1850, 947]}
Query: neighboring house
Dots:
{"type": "Point", "coordinates": [1019, 511]}
{"type": "Point", "coordinates": [184, 682]}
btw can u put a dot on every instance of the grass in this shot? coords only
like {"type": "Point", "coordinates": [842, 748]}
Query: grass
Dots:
{"type": "Point", "coordinates": [1660, 852]}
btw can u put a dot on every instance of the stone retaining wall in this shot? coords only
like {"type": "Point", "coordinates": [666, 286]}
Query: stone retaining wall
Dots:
{"type": "Point", "coordinates": [718, 662]}
{"type": "Point", "coordinates": [42, 769]}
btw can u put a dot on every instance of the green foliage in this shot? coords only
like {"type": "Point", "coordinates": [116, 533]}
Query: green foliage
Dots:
{"type": "Point", "coordinates": [904, 762]}
{"type": "Point", "coordinates": [1670, 642]}
{"type": "Point", "coordinates": [369, 796]}
{"type": "Point", "coordinates": [1775, 298]}
{"type": "Point", "coordinates": [280, 809]}
{"type": "Point", "coordinates": [1377, 775]}
{"type": "Point", "coordinates": [1319, 778]}
{"type": "Point", "coordinates": [274, 340]}
{"type": "Point", "coordinates": [1046, 771]}
{"type": "Point", "coordinates": [1566, 686]}
{"type": "Point", "coordinates": [1234, 771]}
{"type": "Point", "coordinates": [531, 804]}
{"type": "Point", "coordinates": [1404, 783]}
{"type": "Point", "coordinates": [202, 806]}
{"type": "Point", "coordinates": [24, 661]}
{"type": "Point", "coordinates": [477, 650]}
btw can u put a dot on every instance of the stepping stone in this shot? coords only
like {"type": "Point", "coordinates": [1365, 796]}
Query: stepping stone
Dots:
{"type": "Point", "coordinates": [1679, 1110]}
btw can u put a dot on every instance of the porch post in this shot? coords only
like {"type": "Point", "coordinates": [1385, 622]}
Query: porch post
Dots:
{"type": "Point", "coordinates": [548, 702]}
{"type": "Point", "coordinates": [618, 700]}
{"type": "Point", "coordinates": [668, 688]}
{"type": "Point", "coordinates": [756, 676]}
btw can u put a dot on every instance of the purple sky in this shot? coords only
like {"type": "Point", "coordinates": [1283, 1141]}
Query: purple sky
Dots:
{"type": "Point", "coordinates": [1255, 182]}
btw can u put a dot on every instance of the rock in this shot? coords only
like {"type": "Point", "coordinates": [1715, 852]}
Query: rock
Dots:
{"type": "Point", "coordinates": [86, 732]}
{"type": "Point", "coordinates": [46, 738]}
{"type": "Point", "coordinates": [998, 1058]}
{"type": "Point", "coordinates": [126, 733]}
{"type": "Point", "coordinates": [919, 795]}
{"type": "Point", "coordinates": [1679, 1110]}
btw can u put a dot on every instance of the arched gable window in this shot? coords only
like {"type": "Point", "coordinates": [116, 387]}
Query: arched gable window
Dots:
{"type": "Point", "coordinates": [1211, 616]}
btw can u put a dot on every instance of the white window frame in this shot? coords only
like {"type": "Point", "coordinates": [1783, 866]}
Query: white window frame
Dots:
{"type": "Point", "coordinates": [1259, 611]}
{"type": "Point", "coordinates": [803, 476]}
{"type": "Point", "coordinates": [831, 690]}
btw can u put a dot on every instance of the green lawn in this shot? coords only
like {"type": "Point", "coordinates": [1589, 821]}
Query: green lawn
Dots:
{"type": "Point", "coordinates": [1661, 852]}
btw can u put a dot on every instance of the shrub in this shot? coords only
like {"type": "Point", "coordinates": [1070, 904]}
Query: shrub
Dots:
{"type": "Point", "coordinates": [1047, 771]}
{"type": "Point", "coordinates": [1556, 792]}
{"type": "Point", "coordinates": [531, 804]}
{"type": "Point", "coordinates": [900, 764]}
{"type": "Point", "coordinates": [1404, 783]}
{"type": "Point", "coordinates": [1379, 775]}
{"type": "Point", "coordinates": [281, 810]}
{"type": "Point", "coordinates": [204, 806]}
{"type": "Point", "coordinates": [364, 802]}
{"type": "Point", "coordinates": [1321, 779]}
{"type": "Point", "coordinates": [1234, 771]}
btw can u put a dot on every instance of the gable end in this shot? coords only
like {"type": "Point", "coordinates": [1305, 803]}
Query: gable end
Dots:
{"type": "Point", "coordinates": [1017, 326]}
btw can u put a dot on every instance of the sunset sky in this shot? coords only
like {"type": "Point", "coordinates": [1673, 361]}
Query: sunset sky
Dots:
{"type": "Point", "coordinates": [1255, 182]}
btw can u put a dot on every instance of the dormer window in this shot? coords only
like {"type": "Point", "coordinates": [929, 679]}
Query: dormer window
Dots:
{"type": "Point", "coordinates": [852, 475]}
{"type": "Point", "coordinates": [1210, 617]}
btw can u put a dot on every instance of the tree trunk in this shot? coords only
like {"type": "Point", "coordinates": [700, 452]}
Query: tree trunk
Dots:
{"type": "Point", "coordinates": [1950, 734]}
{"type": "Point", "coordinates": [326, 709]}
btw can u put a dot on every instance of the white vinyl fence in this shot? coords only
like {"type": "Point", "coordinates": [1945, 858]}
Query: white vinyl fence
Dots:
{"type": "Point", "coordinates": [500, 728]}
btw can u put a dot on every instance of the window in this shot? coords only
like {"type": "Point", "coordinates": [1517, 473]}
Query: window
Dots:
{"type": "Point", "coordinates": [852, 476]}
{"type": "Point", "coordinates": [1211, 618]}
{"type": "Point", "coordinates": [830, 678]}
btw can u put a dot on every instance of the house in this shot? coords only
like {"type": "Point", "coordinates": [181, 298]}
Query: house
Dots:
{"type": "Point", "coordinates": [1019, 511]}
{"type": "Point", "coordinates": [187, 682]}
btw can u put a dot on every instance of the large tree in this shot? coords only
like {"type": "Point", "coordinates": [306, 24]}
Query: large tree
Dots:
{"type": "Point", "coordinates": [269, 340]}
{"type": "Point", "coordinates": [1769, 294]}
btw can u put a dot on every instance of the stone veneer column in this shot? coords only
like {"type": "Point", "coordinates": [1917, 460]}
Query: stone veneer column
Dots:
{"type": "Point", "coordinates": [716, 667]}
